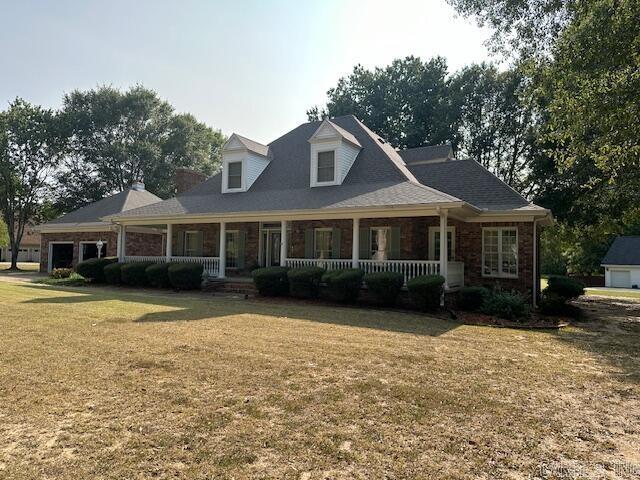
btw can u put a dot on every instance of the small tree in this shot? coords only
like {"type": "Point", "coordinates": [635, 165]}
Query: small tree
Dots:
{"type": "Point", "coordinates": [30, 149]}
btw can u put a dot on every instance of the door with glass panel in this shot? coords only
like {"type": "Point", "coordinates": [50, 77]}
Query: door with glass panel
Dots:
{"type": "Point", "coordinates": [271, 239]}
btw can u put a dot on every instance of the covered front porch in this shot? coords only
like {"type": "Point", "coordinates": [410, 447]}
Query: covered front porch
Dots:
{"type": "Point", "coordinates": [407, 245]}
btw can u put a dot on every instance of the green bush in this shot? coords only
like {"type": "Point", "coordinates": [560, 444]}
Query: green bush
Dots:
{"type": "Point", "coordinates": [185, 276]}
{"type": "Point", "coordinates": [93, 269]}
{"type": "Point", "coordinates": [344, 285]}
{"type": "Point", "coordinates": [58, 273]}
{"type": "Point", "coordinates": [425, 291]}
{"type": "Point", "coordinates": [133, 274]}
{"type": "Point", "coordinates": [384, 286]}
{"type": "Point", "coordinates": [304, 282]}
{"type": "Point", "coordinates": [73, 280]}
{"type": "Point", "coordinates": [552, 303]}
{"type": "Point", "coordinates": [565, 287]}
{"type": "Point", "coordinates": [507, 305]}
{"type": "Point", "coordinates": [158, 275]}
{"type": "Point", "coordinates": [271, 281]}
{"type": "Point", "coordinates": [472, 298]}
{"type": "Point", "coordinates": [112, 274]}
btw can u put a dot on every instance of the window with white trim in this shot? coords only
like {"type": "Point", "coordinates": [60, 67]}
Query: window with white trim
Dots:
{"type": "Point", "coordinates": [500, 252]}
{"type": "Point", "coordinates": [322, 243]}
{"type": "Point", "coordinates": [380, 243]}
{"type": "Point", "coordinates": [434, 243]}
{"type": "Point", "coordinates": [234, 175]}
{"type": "Point", "coordinates": [326, 166]}
{"type": "Point", "coordinates": [232, 248]}
{"type": "Point", "coordinates": [190, 244]}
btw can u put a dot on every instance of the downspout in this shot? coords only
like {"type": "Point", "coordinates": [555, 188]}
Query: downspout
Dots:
{"type": "Point", "coordinates": [535, 262]}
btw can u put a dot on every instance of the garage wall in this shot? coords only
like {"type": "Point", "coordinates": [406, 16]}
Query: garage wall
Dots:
{"type": "Point", "coordinates": [635, 275]}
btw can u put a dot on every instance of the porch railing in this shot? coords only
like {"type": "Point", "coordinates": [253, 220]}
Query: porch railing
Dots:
{"type": "Point", "coordinates": [328, 264]}
{"type": "Point", "coordinates": [211, 264]}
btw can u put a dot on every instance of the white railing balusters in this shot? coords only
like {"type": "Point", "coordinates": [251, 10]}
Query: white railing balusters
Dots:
{"type": "Point", "coordinates": [211, 265]}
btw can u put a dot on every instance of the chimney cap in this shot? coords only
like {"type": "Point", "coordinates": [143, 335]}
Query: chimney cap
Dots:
{"type": "Point", "coordinates": [137, 185]}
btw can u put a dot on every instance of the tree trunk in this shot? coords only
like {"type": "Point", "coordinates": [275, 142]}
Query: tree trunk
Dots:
{"type": "Point", "coordinates": [14, 258]}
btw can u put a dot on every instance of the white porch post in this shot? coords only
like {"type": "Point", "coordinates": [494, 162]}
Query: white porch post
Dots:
{"type": "Point", "coordinates": [283, 243]}
{"type": "Point", "coordinates": [223, 250]}
{"type": "Point", "coordinates": [355, 244]}
{"type": "Point", "coordinates": [122, 243]}
{"type": "Point", "coordinates": [169, 240]}
{"type": "Point", "coordinates": [444, 254]}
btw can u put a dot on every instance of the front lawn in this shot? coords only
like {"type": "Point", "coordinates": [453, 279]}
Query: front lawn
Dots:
{"type": "Point", "coordinates": [26, 266]}
{"type": "Point", "coordinates": [109, 383]}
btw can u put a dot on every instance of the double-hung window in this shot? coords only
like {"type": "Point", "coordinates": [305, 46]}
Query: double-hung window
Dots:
{"type": "Point", "coordinates": [234, 175]}
{"type": "Point", "coordinates": [191, 244]}
{"type": "Point", "coordinates": [326, 167]}
{"type": "Point", "coordinates": [323, 240]}
{"type": "Point", "coordinates": [500, 252]}
{"type": "Point", "coordinates": [380, 243]}
{"type": "Point", "coordinates": [434, 243]}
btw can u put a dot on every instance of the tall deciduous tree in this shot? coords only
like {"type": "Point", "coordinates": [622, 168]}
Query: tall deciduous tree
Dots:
{"type": "Point", "coordinates": [117, 137]}
{"type": "Point", "coordinates": [31, 146]}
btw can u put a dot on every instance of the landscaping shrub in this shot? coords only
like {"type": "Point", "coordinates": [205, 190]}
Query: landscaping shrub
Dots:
{"type": "Point", "coordinates": [61, 273]}
{"type": "Point", "coordinates": [565, 287]}
{"type": "Point", "coordinates": [507, 305]}
{"type": "Point", "coordinates": [384, 286]}
{"type": "Point", "coordinates": [344, 285]}
{"type": "Point", "coordinates": [472, 298]}
{"type": "Point", "coordinates": [158, 275]}
{"type": "Point", "coordinates": [72, 280]}
{"type": "Point", "coordinates": [185, 276]}
{"type": "Point", "coordinates": [552, 303]}
{"type": "Point", "coordinates": [305, 282]}
{"type": "Point", "coordinates": [112, 274]}
{"type": "Point", "coordinates": [133, 274]}
{"type": "Point", "coordinates": [425, 291]}
{"type": "Point", "coordinates": [93, 269]}
{"type": "Point", "coordinates": [271, 281]}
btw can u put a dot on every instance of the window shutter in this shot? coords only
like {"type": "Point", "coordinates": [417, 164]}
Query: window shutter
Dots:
{"type": "Point", "coordinates": [394, 247]}
{"type": "Point", "coordinates": [308, 243]}
{"type": "Point", "coordinates": [242, 236]}
{"type": "Point", "coordinates": [216, 244]}
{"type": "Point", "coordinates": [180, 244]}
{"type": "Point", "coordinates": [365, 252]}
{"type": "Point", "coordinates": [200, 249]}
{"type": "Point", "coordinates": [336, 242]}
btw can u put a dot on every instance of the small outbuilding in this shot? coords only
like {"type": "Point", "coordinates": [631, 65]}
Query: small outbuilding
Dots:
{"type": "Point", "coordinates": [622, 263]}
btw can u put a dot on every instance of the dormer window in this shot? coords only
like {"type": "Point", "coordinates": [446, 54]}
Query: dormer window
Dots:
{"type": "Point", "coordinates": [326, 166]}
{"type": "Point", "coordinates": [234, 175]}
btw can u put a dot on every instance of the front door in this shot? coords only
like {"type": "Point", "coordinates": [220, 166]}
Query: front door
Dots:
{"type": "Point", "coordinates": [271, 248]}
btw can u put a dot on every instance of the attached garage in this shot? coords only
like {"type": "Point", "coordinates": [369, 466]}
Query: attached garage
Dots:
{"type": "Point", "coordinates": [60, 255]}
{"type": "Point", "coordinates": [622, 263]}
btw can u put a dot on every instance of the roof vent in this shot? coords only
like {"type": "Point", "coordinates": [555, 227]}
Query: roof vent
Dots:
{"type": "Point", "coordinates": [137, 185]}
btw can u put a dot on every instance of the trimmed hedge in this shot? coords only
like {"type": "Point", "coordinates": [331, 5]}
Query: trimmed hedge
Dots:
{"type": "Point", "coordinates": [185, 276]}
{"type": "Point", "coordinates": [112, 274]}
{"type": "Point", "coordinates": [305, 282]}
{"type": "Point", "coordinates": [565, 287]}
{"type": "Point", "coordinates": [507, 305]}
{"type": "Point", "coordinates": [59, 273]}
{"type": "Point", "coordinates": [552, 303]}
{"type": "Point", "coordinates": [93, 269]}
{"type": "Point", "coordinates": [425, 291]}
{"type": "Point", "coordinates": [271, 281]}
{"type": "Point", "coordinates": [472, 298]}
{"type": "Point", "coordinates": [344, 285]}
{"type": "Point", "coordinates": [134, 274]}
{"type": "Point", "coordinates": [158, 275]}
{"type": "Point", "coordinates": [384, 286]}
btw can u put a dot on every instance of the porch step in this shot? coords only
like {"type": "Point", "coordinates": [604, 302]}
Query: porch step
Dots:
{"type": "Point", "coordinates": [229, 285]}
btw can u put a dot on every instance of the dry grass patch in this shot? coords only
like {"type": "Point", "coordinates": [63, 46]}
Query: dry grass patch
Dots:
{"type": "Point", "coordinates": [105, 383]}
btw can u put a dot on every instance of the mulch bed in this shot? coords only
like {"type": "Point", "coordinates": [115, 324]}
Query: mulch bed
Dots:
{"type": "Point", "coordinates": [536, 321]}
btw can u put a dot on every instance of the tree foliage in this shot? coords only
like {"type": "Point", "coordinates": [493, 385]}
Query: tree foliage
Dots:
{"type": "Point", "coordinates": [4, 234]}
{"type": "Point", "coordinates": [117, 137]}
{"type": "Point", "coordinates": [31, 146]}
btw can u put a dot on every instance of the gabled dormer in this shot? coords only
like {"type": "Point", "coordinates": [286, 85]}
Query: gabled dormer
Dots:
{"type": "Point", "coordinates": [333, 151]}
{"type": "Point", "coordinates": [243, 161]}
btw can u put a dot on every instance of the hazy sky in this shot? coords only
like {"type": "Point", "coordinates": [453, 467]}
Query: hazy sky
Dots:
{"type": "Point", "coordinates": [251, 67]}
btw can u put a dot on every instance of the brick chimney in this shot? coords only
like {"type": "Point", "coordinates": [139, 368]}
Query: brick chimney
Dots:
{"type": "Point", "coordinates": [186, 179]}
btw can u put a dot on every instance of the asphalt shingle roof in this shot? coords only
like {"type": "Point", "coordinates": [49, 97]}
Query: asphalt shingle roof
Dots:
{"type": "Point", "coordinates": [426, 154]}
{"type": "Point", "coordinates": [120, 202]}
{"type": "Point", "coordinates": [623, 251]}
{"type": "Point", "coordinates": [378, 177]}
{"type": "Point", "coordinates": [471, 182]}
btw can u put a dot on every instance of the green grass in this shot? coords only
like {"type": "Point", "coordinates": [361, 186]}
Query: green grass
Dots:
{"type": "Point", "coordinates": [613, 293]}
{"type": "Point", "coordinates": [26, 266]}
{"type": "Point", "coordinates": [74, 280]}
{"type": "Point", "coordinates": [112, 383]}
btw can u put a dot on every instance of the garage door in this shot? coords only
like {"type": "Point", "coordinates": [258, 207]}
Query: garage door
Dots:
{"type": "Point", "coordinates": [621, 278]}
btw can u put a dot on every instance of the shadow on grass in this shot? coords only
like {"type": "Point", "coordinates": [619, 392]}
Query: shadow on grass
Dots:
{"type": "Point", "coordinates": [189, 307]}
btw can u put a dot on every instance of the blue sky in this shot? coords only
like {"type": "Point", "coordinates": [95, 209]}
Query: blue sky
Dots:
{"type": "Point", "coordinates": [251, 67]}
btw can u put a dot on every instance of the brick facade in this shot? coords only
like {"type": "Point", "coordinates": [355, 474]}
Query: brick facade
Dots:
{"type": "Point", "coordinates": [137, 244]}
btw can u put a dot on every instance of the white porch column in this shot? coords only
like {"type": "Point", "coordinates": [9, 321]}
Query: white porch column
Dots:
{"type": "Point", "coordinates": [284, 241]}
{"type": "Point", "coordinates": [122, 243]}
{"type": "Point", "coordinates": [444, 247]}
{"type": "Point", "coordinates": [223, 250]}
{"type": "Point", "coordinates": [355, 244]}
{"type": "Point", "coordinates": [169, 240]}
